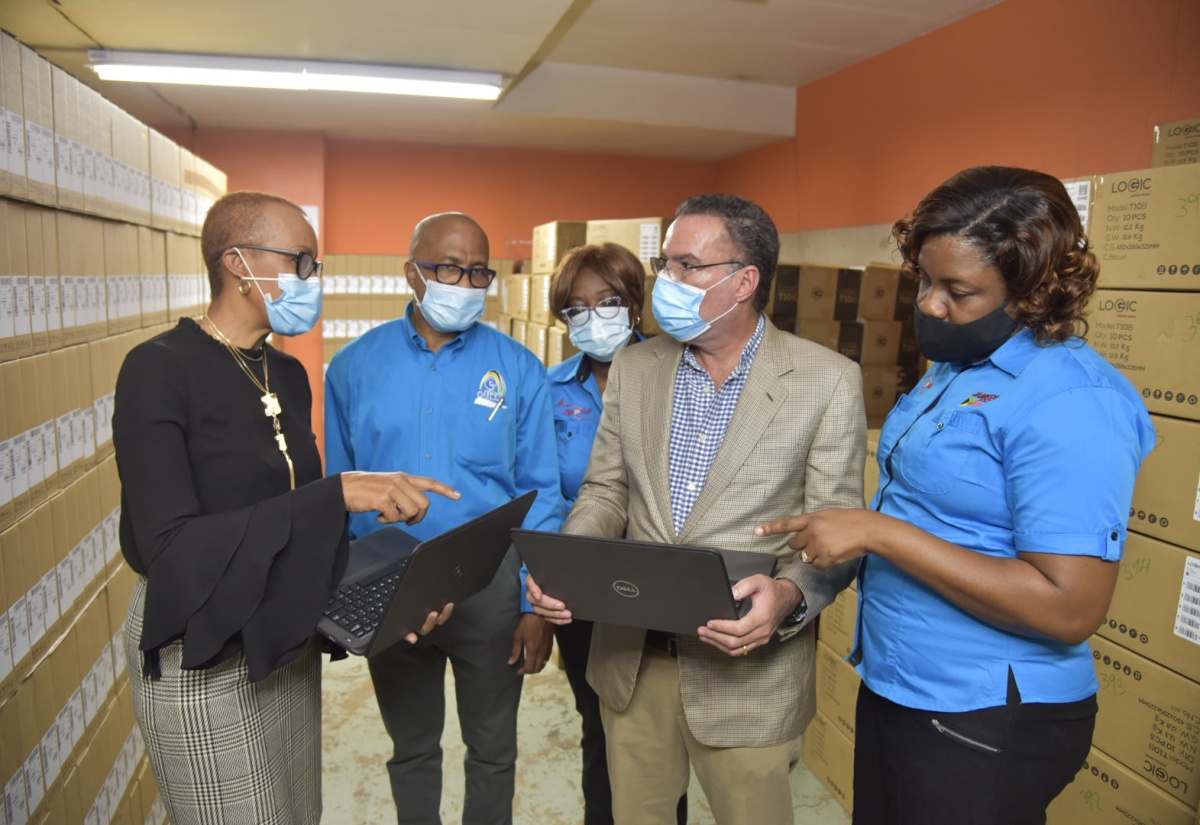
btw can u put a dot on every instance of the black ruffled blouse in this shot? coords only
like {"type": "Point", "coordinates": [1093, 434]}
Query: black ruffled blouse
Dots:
{"type": "Point", "coordinates": [234, 559]}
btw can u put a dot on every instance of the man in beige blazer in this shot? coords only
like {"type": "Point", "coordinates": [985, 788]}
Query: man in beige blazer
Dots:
{"type": "Point", "coordinates": [721, 425]}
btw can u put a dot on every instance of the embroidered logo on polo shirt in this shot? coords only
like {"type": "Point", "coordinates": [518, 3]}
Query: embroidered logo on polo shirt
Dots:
{"type": "Point", "coordinates": [492, 390]}
{"type": "Point", "coordinates": [572, 410]}
{"type": "Point", "coordinates": [978, 399]}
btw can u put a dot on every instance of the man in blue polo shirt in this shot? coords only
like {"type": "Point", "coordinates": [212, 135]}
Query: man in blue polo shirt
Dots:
{"type": "Point", "coordinates": [435, 393]}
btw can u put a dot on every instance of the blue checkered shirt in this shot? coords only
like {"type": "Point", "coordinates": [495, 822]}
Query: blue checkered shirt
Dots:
{"type": "Point", "coordinates": [700, 418]}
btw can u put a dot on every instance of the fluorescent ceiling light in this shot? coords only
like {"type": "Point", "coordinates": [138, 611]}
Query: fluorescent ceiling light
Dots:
{"type": "Point", "coordinates": [299, 75]}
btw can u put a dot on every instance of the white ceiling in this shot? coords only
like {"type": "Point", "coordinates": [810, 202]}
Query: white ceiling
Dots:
{"type": "Point", "coordinates": [689, 79]}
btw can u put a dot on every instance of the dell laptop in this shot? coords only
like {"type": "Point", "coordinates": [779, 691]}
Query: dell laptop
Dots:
{"type": "Point", "coordinates": [669, 587]}
{"type": "Point", "coordinates": [393, 581]}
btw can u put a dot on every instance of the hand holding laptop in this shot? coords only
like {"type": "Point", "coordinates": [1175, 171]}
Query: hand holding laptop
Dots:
{"type": "Point", "coordinates": [772, 601]}
{"type": "Point", "coordinates": [397, 496]}
{"type": "Point", "coordinates": [548, 607]}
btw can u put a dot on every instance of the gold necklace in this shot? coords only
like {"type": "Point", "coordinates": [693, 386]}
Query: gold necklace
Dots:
{"type": "Point", "coordinates": [270, 401]}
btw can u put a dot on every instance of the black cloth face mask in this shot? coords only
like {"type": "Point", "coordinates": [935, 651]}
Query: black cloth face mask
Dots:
{"type": "Point", "coordinates": [949, 343]}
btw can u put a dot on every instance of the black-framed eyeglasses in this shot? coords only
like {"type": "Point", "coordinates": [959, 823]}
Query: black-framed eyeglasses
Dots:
{"type": "Point", "coordinates": [606, 309]}
{"type": "Point", "coordinates": [307, 265]}
{"type": "Point", "coordinates": [450, 274]}
{"type": "Point", "coordinates": [680, 269]}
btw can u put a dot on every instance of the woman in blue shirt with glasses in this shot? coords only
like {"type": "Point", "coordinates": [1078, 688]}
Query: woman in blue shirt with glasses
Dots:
{"type": "Point", "coordinates": [598, 291]}
{"type": "Point", "coordinates": [989, 554]}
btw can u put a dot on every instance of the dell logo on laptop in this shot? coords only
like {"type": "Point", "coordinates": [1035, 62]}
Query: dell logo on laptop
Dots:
{"type": "Point", "coordinates": [627, 589]}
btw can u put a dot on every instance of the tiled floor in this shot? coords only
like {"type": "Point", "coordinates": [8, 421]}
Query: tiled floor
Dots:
{"type": "Point", "coordinates": [355, 781]}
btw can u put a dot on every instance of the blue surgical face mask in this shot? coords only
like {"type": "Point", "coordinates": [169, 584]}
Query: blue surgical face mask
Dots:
{"type": "Point", "coordinates": [677, 307]}
{"type": "Point", "coordinates": [451, 308]}
{"type": "Point", "coordinates": [297, 309]}
{"type": "Point", "coordinates": [602, 338]}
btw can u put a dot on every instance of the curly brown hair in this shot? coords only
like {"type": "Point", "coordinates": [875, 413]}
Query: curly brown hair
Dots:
{"type": "Point", "coordinates": [616, 266]}
{"type": "Point", "coordinates": [1023, 223]}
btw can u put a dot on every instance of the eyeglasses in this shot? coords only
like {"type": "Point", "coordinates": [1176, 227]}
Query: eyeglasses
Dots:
{"type": "Point", "coordinates": [606, 309]}
{"type": "Point", "coordinates": [451, 274]}
{"type": "Point", "coordinates": [676, 270]}
{"type": "Point", "coordinates": [306, 265]}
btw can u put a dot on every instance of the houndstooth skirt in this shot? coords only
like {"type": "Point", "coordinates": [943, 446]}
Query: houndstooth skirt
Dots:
{"type": "Point", "coordinates": [226, 751]}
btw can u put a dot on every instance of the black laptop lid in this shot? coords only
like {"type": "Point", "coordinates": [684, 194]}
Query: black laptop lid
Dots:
{"type": "Point", "coordinates": [450, 567]}
{"type": "Point", "coordinates": [669, 587]}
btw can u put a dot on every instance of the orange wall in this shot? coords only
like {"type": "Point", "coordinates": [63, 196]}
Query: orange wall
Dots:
{"type": "Point", "coordinates": [377, 192]}
{"type": "Point", "coordinates": [1072, 87]}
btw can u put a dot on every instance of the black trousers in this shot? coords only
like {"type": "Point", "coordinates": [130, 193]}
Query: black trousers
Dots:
{"type": "Point", "coordinates": [574, 643]}
{"type": "Point", "coordinates": [996, 766]}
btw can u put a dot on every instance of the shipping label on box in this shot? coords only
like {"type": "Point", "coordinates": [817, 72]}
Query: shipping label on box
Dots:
{"type": "Point", "coordinates": [1154, 338]}
{"type": "Point", "coordinates": [1105, 792]}
{"type": "Point", "coordinates": [1176, 143]}
{"type": "Point", "coordinates": [641, 236]}
{"type": "Point", "coordinates": [1146, 228]}
{"type": "Point", "coordinates": [1149, 720]}
{"type": "Point", "coordinates": [1155, 608]}
{"type": "Point", "coordinates": [1166, 500]}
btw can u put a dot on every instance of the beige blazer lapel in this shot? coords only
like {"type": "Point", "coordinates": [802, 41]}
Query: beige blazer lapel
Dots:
{"type": "Point", "coordinates": [761, 398]}
{"type": "Point", "coordinates": [654, 403]}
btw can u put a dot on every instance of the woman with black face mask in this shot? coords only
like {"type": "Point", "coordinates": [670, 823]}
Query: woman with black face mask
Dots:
{"type": "Point", "coordinates": [990, 551]}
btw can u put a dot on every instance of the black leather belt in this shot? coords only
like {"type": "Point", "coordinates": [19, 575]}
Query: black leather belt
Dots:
{"type": "Point", "coordinates": [662, 642]}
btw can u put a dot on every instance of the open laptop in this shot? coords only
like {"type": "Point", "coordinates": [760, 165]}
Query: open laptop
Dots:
{"type": "Point", "coordinates": [668, 587]}
{"type": "Point", "coordinates": [393, 581]}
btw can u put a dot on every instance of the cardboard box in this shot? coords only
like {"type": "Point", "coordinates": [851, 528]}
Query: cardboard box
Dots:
{"type": "Point", "coordinates": [152, 266]}
{"type": "Point", "coordinates": [1144, 228]}
{"type": "Point", "coordinates": [830, 756]}
{"type": "Point", "coordinates": [827, 293]}
{"type": "Point", "coordinates": [8, 289]}
{"type": "Point", "coordinates": [838, 622]}
{"type": "Point", "coordinates": [535, 339]}
{"type": "Point", "coordinates": [39, 126]}
{"type": "Point", "coordinates": [558, 345]}
{"type": "Point", "coordinates": [35, 256]}
{"type": "Point", "coordinates": [784, 293]}
{"type": "Point", "coordinates": [1176, 143]}
{"type": "Point", "coordinates": [54, 324]}
{"type": "Point", "coordinates": [1105, 792]}
{"type": "Point", "coordinates": [1166, 500]}
{"type": "Point", "coordinates": [1155, 609]}
{"type": "Point", "coordinates": [519, 327]}
{"type": "Point", "coordinates": [65, 109]}
{"type": "Point", "coordinates": [13, 215]}
{"type": "Point", "coordinates": [10, 60]}
{"type": "Point", "coordinates": [1151, 337]}
{"type": "Point", "coordinates": [553, 240]}
{"type": "Point", "coordinates": [837, 690]}
{"type": "Point", "coordinates": [1149, 720]}
{"type": "Point", "coordinates": [641, 236]}
{"type": "Point", "coordinates": [13, 752]}
{"type": "Point", "coordinates": [866, 342]}
{"type": "Point", "coordinates": [886, 294]}
{"type": "Point", "coordinates": [648, 324]}
{"type": "Point", "coordinates": [514, 296]}
{"type": "Point", "coordinates": [882, 385]}
{"type": "Point", "coordinates": [539, 300]}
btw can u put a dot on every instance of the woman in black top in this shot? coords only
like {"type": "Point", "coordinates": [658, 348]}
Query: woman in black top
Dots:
{"type": "Point", "coordinates": [237, 537]}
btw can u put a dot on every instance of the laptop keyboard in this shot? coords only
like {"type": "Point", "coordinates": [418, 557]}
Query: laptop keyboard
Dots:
{"type": "Point", "coordinates": [359, 607]}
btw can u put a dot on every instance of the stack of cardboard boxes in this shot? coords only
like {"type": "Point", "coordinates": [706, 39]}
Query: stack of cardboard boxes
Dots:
{"type": "Point", "coordinates": [98, 218]}
{"type": "Point", "coordinates": [1145, 318]}
{"type": "Point", "coordinates": [865, 314]}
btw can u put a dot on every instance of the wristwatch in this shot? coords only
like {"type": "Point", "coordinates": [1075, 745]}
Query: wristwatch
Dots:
{"type": "Point", "coordinates": [799, 616]}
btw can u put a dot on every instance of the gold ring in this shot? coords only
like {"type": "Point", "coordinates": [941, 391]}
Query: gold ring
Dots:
{"type": "Point", "coordinates": [804, 557]}
{"type": "Point", "coordinates": [745, 650]}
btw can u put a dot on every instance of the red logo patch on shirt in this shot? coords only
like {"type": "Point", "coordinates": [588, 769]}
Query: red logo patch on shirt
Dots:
{"type": "Point", "coordinates": [978, 399]}
{"type": "Point", "coordinates": [572, 410]}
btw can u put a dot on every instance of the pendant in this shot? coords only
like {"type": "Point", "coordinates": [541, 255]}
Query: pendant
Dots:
{"type": "Point", "coordinates": [270, 402]}
{"type": "Point", "coordinates": [282, 442]}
